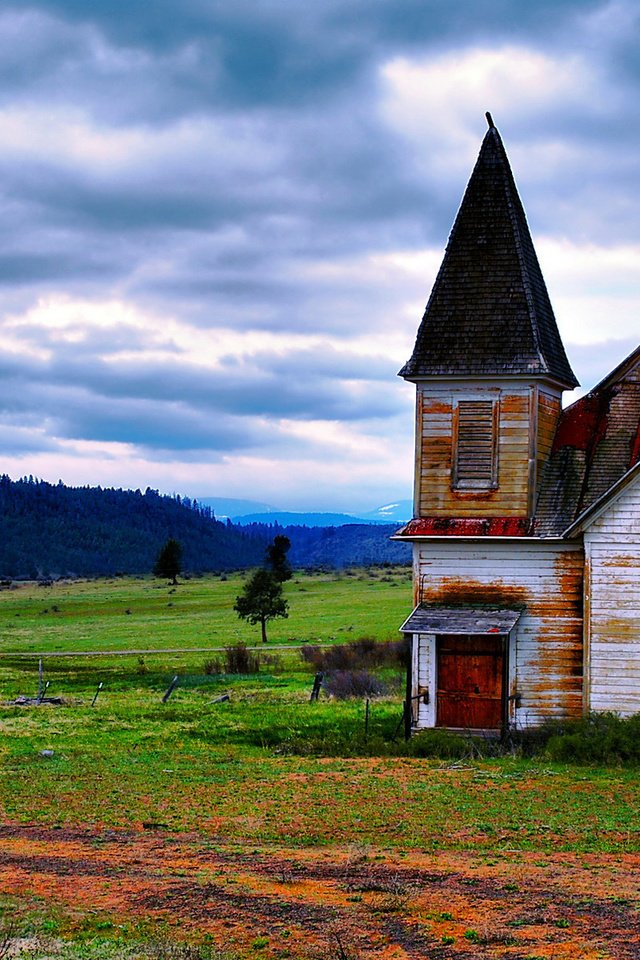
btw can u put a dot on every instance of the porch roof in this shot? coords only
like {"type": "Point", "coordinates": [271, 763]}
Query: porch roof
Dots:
{"type": "Point", "coordinates": [428, 618]}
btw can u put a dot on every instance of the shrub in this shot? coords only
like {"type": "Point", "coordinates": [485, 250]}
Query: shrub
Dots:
{"type": "Point", "coordinates": [238, 659]}
{"type": "Point", "coordinates": [212, 666]}
{"type": "Point", "coordinates": [343, 684]}
{"type": "Point", "coordinates": [599, 738]}
{"type": "Point", "coordinates": [235, 659]}
{"type": "Point", "coordinates": [273, 661]}
{"type": "Point", "coordinates": [364, 653]}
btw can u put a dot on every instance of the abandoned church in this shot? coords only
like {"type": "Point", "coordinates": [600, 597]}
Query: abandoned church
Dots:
{"type": "Point", "coordinates": [526, 529]}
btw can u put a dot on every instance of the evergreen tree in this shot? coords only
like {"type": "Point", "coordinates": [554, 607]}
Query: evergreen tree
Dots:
{"type": "Point", "coordinates": [169, 561]}
{"type": "Point", "coordinates": [276, 558]}
{"type": "Point", "coordinates": [261, 600]}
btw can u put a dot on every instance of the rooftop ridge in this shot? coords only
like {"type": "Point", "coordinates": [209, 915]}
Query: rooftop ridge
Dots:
{"type": "Point", "coordinates": [515, 221]}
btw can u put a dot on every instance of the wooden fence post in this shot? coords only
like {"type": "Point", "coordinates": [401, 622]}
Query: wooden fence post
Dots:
{"type": "Point", "coordinates": [317, 683]}
{"type": "Point", "coordinates": [41, 693]}
{"type": "Point", "coordinates": [407, 719]}
{"type": "Point", "coordinates": [171, 688]}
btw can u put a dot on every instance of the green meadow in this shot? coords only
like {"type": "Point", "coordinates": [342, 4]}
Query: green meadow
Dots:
{"type": "Point", "coordinates": [161, 755]}
{"type": "Point", "coordinates": [143, 614]}
{"type": "Point", "coordinates": [245, 766]}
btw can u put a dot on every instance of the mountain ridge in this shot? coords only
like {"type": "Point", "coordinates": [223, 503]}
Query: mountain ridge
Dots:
{"type": "Point", "coordinates": [253, 511]}
{"type": "Point", "coordinates": [49, 530]}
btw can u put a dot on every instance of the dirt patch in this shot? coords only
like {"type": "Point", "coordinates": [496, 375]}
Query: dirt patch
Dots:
{"type": "Point", "coordinates": [303, 902]}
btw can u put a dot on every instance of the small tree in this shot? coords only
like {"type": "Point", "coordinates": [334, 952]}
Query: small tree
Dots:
{"type": "Point", "coordinates": [276, 558]}
{"type": "Point", "coordinates": [261, 600]}
{"type": "Point", "coordinates": [169, 561]}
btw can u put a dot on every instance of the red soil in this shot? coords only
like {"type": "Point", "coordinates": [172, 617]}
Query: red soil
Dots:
{"type": "Point", "coordinates": [513, 904]}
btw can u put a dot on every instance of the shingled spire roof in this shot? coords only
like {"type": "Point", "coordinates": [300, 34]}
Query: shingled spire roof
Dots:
{"type": "Point", "coordinates": [489, 313]}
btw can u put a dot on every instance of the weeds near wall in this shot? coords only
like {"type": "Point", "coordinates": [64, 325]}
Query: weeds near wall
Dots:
{"type": "Point", "coordinates": [598, 738]}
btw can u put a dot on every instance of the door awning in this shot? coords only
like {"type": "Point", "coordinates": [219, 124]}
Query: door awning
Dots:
{"type": "Point", "coordinates": [427, 618]}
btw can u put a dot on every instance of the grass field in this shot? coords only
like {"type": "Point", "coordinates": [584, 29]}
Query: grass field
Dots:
{"type": "Point", "coordinates": [129, 614]}
{"type": "Point", "coordinates": [258, 826]}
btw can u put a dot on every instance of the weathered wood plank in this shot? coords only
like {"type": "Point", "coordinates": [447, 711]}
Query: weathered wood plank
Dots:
{"type": "Point", "coordinates": [613, 542]}
{"type": "Point", "coordinates": [437, 441]}
{"type": "Point", "coordinates": [547, 581]}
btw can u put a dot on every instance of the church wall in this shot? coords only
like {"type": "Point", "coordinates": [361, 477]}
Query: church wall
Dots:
{"type": "Point", "coordinates": [549, 405]}
{"type": "Point", "coordinates": [520, 406]}
{"type": "Point", "coordinates": [612, 591]}
{"type": "Point", "coordinates": [545, 580]}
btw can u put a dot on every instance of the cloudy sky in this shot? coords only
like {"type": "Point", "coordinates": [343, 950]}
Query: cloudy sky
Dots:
{"type": "Point", "coordinates": [222, 219]}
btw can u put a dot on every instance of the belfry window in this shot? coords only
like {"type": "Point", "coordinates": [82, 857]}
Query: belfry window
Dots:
{"type": "Point", "coordinates": [475, 439]}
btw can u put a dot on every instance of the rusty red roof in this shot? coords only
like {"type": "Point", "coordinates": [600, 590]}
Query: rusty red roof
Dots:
{"type": "Point", "coordinates": [489, 313]}
{"type": "Point", "coordinates": [597, 442]}
{"type": "Point", "coordinates": [467, 527]}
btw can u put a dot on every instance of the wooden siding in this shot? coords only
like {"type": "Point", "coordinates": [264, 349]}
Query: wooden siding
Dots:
{"type": "Point", "coordinates": [436, 495]}
{"type": "Point", "coordinates": [612, 650]}
{"type": "Point", "coordinates": [418, 452]}
{"type": "Point", "coordinates": [424, 691]}
{"type": "Point", "coordinates": [549, 408]}
{"type": "Point", "coordinates": [545, 579]}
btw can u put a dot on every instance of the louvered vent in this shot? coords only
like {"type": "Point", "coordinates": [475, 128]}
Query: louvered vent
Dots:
{"type": "Point", "coordinates": [475, 459]}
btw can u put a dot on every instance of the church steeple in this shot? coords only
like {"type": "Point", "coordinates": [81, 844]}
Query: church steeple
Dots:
{"type": "Point", "coordinates": [489, 313]}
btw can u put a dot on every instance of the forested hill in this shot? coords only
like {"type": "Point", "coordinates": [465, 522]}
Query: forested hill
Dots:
{"type": "Point", "coordinates": [55, 530]}
{"type": "Point", "coordinates": [355, 544]}
{"type": "Point", "coordinates": [49, 530]}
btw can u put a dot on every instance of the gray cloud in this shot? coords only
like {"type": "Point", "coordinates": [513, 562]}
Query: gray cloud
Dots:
{"type": "Point", "coordinates": [18, 441]}
{"type": "Point", "coordinates": [227, 165]}
{"type": "Point", "coordinates": [255, 51]}
{"type": "Point", "coordinates": [180, 407]}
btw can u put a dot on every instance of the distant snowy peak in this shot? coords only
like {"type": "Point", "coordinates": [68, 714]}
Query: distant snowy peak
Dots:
{"type": "Point", "coordinates": [398, 512]}
{"type": "Point", "coordinates": [253, 511]}
{"type": "Point", "coordinates": [287, 519]}
{"type": "Point", "coordinates": [224, 507]}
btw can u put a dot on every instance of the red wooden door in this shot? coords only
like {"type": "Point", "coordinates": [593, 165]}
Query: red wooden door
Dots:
{"type": "Point", "coordinates": [470, 681]}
